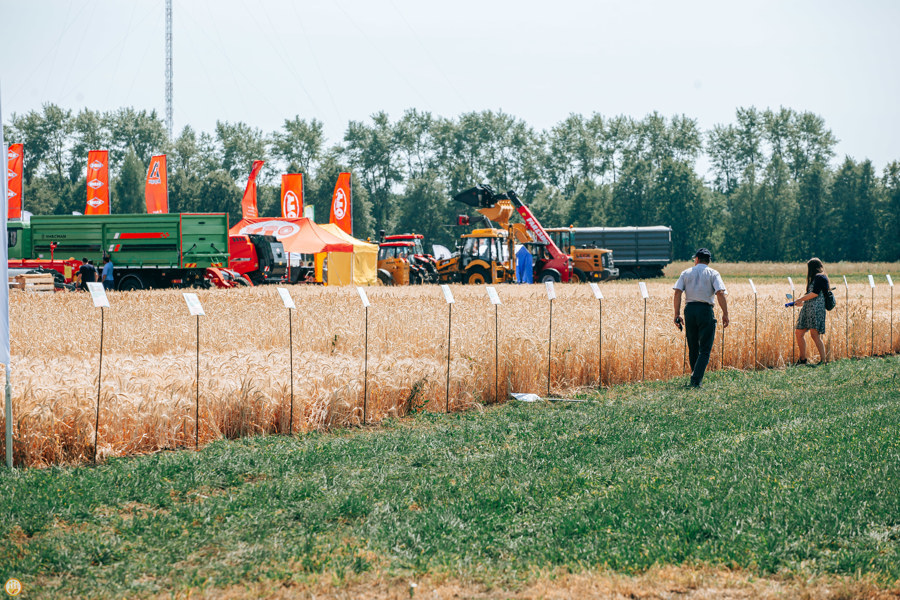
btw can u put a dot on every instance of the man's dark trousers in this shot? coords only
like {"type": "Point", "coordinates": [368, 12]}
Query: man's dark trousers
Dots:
{"type": "Point", "coordinates": [700, 330]}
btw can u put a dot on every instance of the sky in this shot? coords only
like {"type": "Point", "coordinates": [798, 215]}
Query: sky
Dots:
{"type": "Point", "coordinates": [265, 61]}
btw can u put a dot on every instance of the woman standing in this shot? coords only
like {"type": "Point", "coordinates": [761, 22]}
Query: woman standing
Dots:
{"type": "Point", "coordinates": [812, 313]}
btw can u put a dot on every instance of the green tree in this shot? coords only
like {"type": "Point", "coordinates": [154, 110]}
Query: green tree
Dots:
{"type": "Point", "coordinates": [129, 187]}
{"type": "Point", "coordinates": [373, 154]}
{"type": "Point", "coordinates": [298, 145]}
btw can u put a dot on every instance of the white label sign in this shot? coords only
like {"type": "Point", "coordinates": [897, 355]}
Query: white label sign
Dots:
{"type": "Point", "coordinates": [193, 304]}
{"type": "Point", "coordinates": [493, 295]}
{"type": "Point", "coordinates": [890, 281]}
{"type": "Point", "coordinates": [752, 286]}
{"type": "Point", "coordinates": [448, 295]}
{"type": "Point", "coordinates": [363, 297]}
{"type": "Point", "coordinates": [791, 281]}
{"type": "Point", "coordinates": [643, 287]}
{"type": "Point", "coordinates": [871, 282]}
{"type": "Point", "coordinates": [596, 289]}
{"type": "Point", "coordinates": [286, 298]}
{"type": "Point", "coordinates": [551, 292]}
{"type": "Point", "coordinates": [98, 294]}
{"type": "Point", "coordinates": [846, 287]}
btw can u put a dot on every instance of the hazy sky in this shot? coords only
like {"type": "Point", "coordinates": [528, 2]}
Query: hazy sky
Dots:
{"type": "Point", "coordinates": [262, 61]}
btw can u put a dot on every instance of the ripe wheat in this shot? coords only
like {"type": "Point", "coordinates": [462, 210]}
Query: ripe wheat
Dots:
{"type": "Point", "coordinates": [148, 385]}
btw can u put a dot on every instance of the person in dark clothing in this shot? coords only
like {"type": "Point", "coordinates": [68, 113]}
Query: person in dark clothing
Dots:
{"type": "Point", "coordinates": [700, 285]}
{"type": "Point", "coordinates": [812, 311]}
{"type": "Point", "coordinates": [86, 273]}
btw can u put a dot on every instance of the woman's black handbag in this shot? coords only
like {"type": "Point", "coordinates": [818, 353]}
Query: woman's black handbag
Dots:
{"type": "Point", "coordinates": [830, 302]}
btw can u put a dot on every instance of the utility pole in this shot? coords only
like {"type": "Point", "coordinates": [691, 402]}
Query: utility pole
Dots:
{"type": "Point", "coordinates": [169, 120]}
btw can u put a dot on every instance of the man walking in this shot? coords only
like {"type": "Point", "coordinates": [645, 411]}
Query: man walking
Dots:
{"type": "Point", "coordinates": [700, 284]}
{"type": "Point", "coordinates": [107, 273]}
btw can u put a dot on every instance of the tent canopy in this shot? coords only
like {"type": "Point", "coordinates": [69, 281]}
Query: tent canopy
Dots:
{"type": "Point", "coordinates": [360, 268]}
{"type": "Point", "coordinates": [299, 234]}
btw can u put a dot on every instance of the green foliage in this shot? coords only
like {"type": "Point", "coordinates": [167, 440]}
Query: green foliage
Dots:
{"type": "Point", "coordinates": [128, 187]}
{"type": "Point", "coordinates": [771, 195]}
{"type": "Point", "coordinates": [783, 471]}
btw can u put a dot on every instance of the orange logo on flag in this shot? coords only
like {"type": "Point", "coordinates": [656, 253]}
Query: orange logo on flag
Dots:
{"type": "Point", "coordinates": [248, 202]}
{"type": "Point", "coordinates": [341, 204]}
{"type": "Point", "coordinates": [156, 192]}
{"type": "Point", "coordinates": [14, 165]}
{"type": "Point", "coordinates": [98, 183]}
{"type": "Point", "coordinates": [292, 195]}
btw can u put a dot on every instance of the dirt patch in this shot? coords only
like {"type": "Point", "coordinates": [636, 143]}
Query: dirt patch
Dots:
{"type": "Point", "coordinates": [665, 583]}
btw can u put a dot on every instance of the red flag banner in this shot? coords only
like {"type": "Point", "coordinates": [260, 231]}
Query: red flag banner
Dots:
{"type": "Point", "coordinates": [14, 163]}
{"type": "Point", "coordinates": [292, 195]}
{"type": "Point", "coordinates": [97, 183]}
{"type": "Point", "coordinates": [341, 205]}
{"type": "Point", "coordinates": [156, 190]}
{"type": "Point", "coordinates": [248, 202]}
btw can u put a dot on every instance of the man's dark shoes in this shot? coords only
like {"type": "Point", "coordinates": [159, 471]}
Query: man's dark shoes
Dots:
{"type": "Point", "coordinates": [801, 361]}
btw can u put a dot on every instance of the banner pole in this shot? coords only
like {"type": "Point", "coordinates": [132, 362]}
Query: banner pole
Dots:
{"type": "Point", "coordinates": [722, 357]}
{"type": "Point", "coordinates": [366, 371]}
{"type": "Point", "coordinates": [197, 404]}
{"type": "Point", "coordinates": [891, 344]}
{"type": "Point", "coordinates": [449, 329]}
{"type": "Point", "coordinates": [847, 316]}
{"type": "Point", "coordinates": [755, 332]}
{"type": "Point", "coordinates": [291, 368]}
{"type": "Point", "coordinates": [99, 377]}
{"type": "Point", "coordinates": [549, 347]}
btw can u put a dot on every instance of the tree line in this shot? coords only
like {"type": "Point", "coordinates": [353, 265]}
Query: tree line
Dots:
{"type": "Point", "coordinates": [771, 192]}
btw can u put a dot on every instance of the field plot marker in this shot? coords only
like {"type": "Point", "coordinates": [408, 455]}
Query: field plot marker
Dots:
{"type": "Point", "coordinates": [196, 309]}
{"type": "Point", "coordinates": [98, 295]}
{"type": "Point", "coordinates": [599, 296]}
{"type": "Point", "coordinates": [847, 315]}
{"type": "Point", "coordinates": [793, 317]}
{"type": "Point", "coordinates": [551, 295]}
{"type": "Point", "coordinates": [448, 296]}
{"type": "Point", "coordinates": [872, 343]}
{"type": "Point", "coordinates": [365, 301]}
{"type": "Point", "coordinates": [289, 305]}
{"type": "Point", "coordinates": [891, 339]}
{"type": "Point", "coordinates": [755, 325]}
{"type": "Point", "coordinates": [495, 300]}
{"type": "Point", "coordinates": [644, 295]}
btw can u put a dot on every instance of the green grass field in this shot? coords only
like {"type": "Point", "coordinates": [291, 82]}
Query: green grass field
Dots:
{"type": "Point", "coordinates": [794, 473]}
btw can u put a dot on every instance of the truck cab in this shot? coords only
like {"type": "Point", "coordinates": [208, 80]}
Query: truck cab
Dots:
{"type": "Point", "coordinates": [260, 258]}
{"type": "Point", "coordinates": [589, 262]}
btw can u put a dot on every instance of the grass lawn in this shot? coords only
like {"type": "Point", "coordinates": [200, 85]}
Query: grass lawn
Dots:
{"type": "Point", "coordinates": [777, 474]}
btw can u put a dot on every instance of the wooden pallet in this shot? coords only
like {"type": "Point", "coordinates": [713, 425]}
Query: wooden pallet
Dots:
{"type": "Point", "coordinates": [36, 282]}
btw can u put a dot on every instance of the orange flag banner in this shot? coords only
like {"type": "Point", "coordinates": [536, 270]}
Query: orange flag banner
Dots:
{"type": "Point", "coordinates": [248, 202]}
{"type": "Point", "coordinates": [97, 183]}
{"type": "Point", "coordinates": [341, 206]}
{"type": "Point", "coordinates": [292, 195]}
{"type": "Point", "coordinates": [14, 163]}
{"type": "Point", "coordinates": [156, 190]}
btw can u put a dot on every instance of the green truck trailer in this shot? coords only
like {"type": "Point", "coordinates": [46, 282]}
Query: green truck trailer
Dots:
{"type": "Point", "coordinates": [147, 250]}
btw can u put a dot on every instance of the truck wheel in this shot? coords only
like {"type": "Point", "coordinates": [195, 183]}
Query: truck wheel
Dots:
{"type": "Point", "coordinates": [478, 275]}
{"type": "Point", "coordinates": [549, 275]}
{"type": "Point", "coordinates": [577, 276]}
{"type": "Point", "coordinates": [129, 283]}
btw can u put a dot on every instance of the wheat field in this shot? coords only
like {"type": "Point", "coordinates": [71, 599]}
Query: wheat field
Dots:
{"type": "Point", "coordinates": [148, 387]}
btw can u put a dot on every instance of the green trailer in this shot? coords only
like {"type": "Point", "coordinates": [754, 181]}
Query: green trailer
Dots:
{"type": "Point", "coordinates": [147, 250]}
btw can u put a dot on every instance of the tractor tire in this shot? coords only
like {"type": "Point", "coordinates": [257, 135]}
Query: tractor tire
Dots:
{"type": "Point", "coordinates": [385, 278]}
{"type": "Point", "coordinates": [578, 276]}
{"type": "Point", "coordinates": [478, 275]}
{"type": "Point", "coordinates": [129, 283]}
{"type": "Point", "coordinates": [242, 282]}
{"type": "Point", "coordinates": [549, 275]}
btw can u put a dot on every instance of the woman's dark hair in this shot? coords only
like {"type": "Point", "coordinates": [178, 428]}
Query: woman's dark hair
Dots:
{"type": "Point", "coordinates": [814, 266]}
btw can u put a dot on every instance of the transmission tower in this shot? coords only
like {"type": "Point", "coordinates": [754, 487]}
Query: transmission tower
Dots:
{"type": "Point", "coordinates": [169, 120]}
